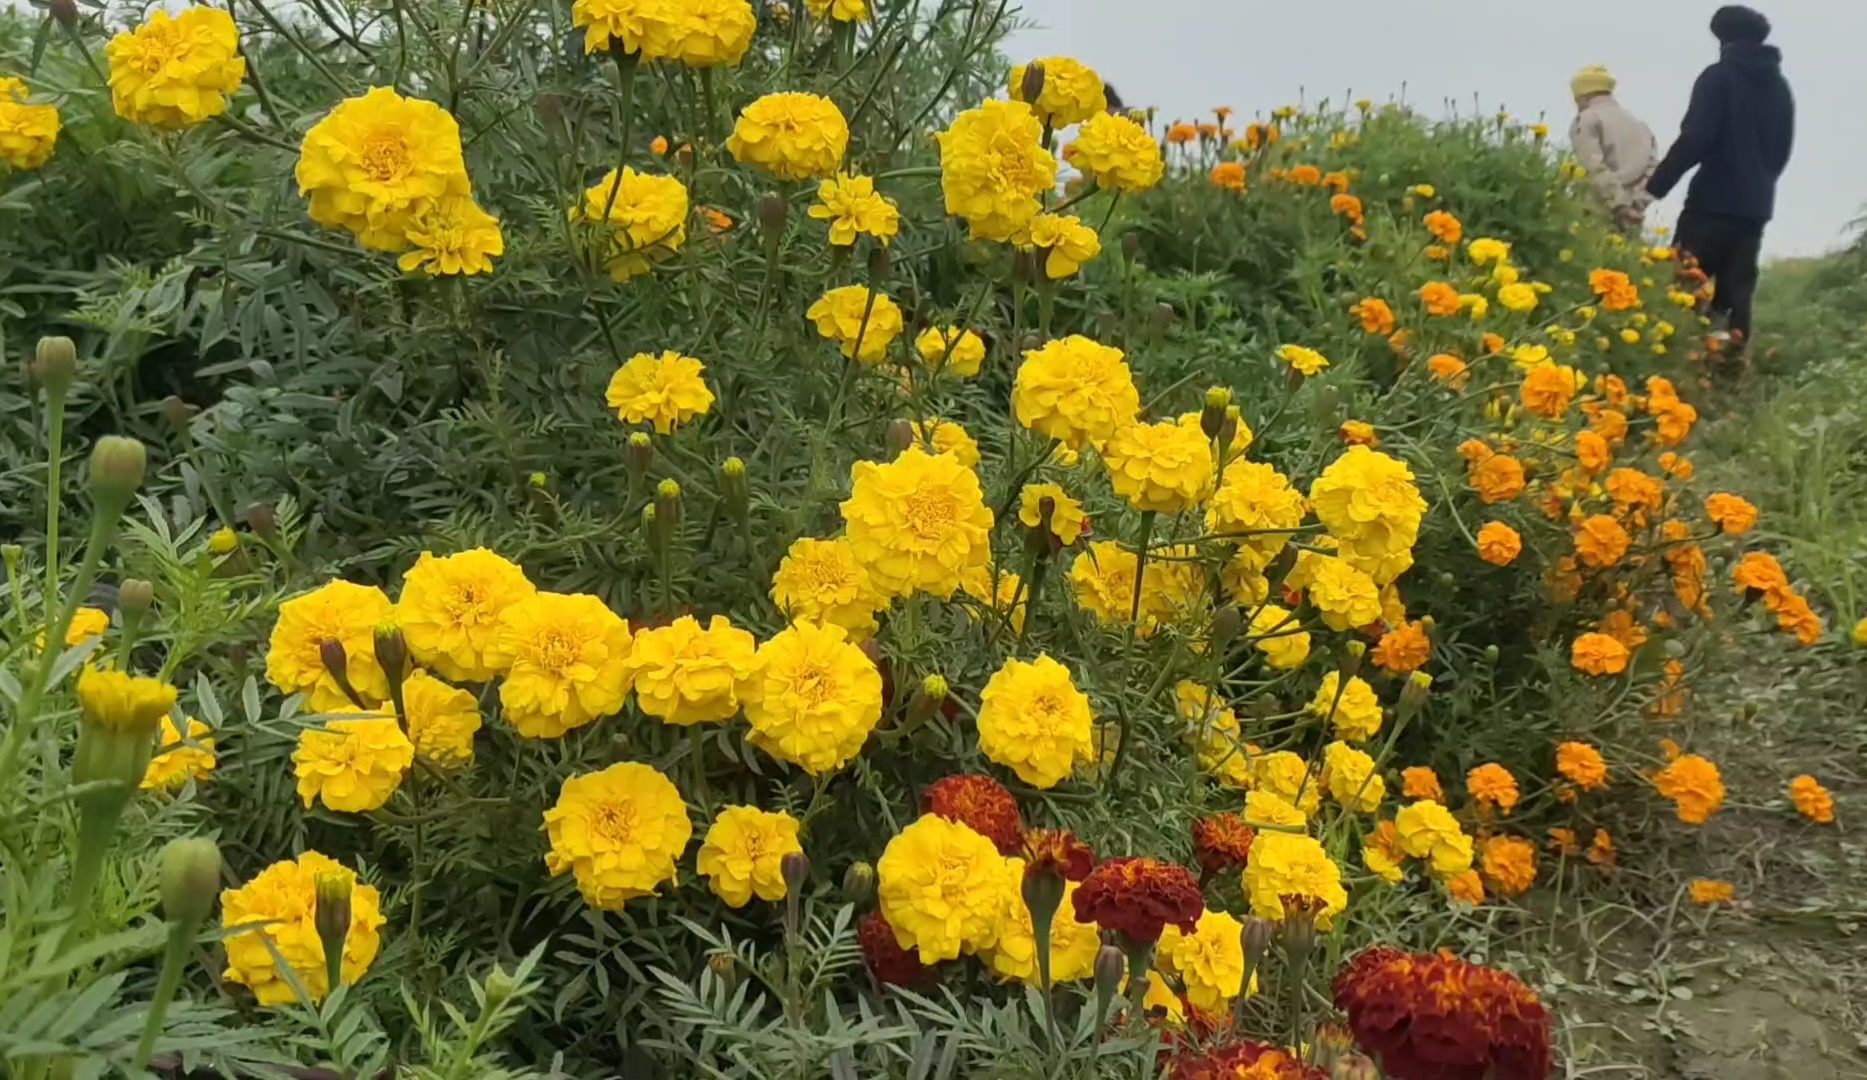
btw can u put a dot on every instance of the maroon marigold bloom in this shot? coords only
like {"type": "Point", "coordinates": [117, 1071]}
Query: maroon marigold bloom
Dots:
{"type": "Point", "coordinates": [1222, 842]}
{"type": "Point", "coordinates": [1057, 851]}
{"type": "Point", "coordinates": [1243, 1061]}
{"type": "Point", "coordinates": [1436, 1017]}
{"type": "Point", "coordinates": [981, 804]}
{"type": "Point", "coordinates": [1139, 897]}
{"type": "Point", "coordinates": [891, 964]}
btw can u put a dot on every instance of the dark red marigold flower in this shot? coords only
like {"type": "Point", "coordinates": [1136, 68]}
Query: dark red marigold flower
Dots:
{"type": "Point", "coordinates": [891, 964]}
{"type": "Point", "coordinates": [1436, 1017]}
{"type": "Point", "coordinates": [1253, 1060]}
{"type": "Point", "coordinates": [1057, 851]}
{"type": "Point", "coordinates": [1139, 897]}
{"type": "Point", "coordinates": [1221, 842]}
{"type": "Point", "coordinates": [981, 804]}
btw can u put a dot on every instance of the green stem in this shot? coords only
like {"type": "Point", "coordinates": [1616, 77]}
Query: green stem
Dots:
{"type": "Point", "coordinates": [626, 66]}
{"type": "Point", "coordinates": [697, 742]}
{"type": "Point", "coordinates": [103, 527]}
{"type": "Point", "coordinates": [54, 498]}
{"type": "Point", "coordinates": [174, 958]}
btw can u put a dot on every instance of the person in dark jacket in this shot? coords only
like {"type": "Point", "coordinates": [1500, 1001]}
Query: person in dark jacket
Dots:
{"type": "Point", "coordinates": [1738, 131]}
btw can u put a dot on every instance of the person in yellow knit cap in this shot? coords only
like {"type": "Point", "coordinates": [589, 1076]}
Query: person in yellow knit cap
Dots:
{"type": "Point", "coordinates": [1613, 145]}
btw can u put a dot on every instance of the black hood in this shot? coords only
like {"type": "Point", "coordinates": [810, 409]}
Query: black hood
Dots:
{"type": "Point", "coordinates": [1757, 59]}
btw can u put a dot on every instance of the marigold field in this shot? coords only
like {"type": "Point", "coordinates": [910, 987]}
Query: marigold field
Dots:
{"type": "Point", "coordinates": [667, 538]}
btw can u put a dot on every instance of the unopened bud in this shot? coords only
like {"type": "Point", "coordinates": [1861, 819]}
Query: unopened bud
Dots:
{"type": "Point", "coordinates": [1031, 87]}
{"type": "Point", "coordinates": [795, 867]}
{"type": "Point", "coordinates": [190, 879]}
{"type": "Point", "coordinates": [117, 467]}
{"type": "Point", "coordinates": [1030, 343]}
{"type": "Point", "coordinates": [725, 968]}
{"type": "Point", "coordinates": [1226, 622]}
{"type": "Point", "coordinates": [734, 487]}
{"type": "Point", "coordinates": [177, 412]}
{"type": "Point", "coordinates": [667, 506]}
{"type": "Point", "coordinates": [1228, 431]}
{"type": "Point", "coordinates": [1354, 1067]}
{"type": "Point", "coordinates": [1110, 966]}
{"type": "Point", "coordinates": [1352, 655]}
{"type": "Point", "coordinates": [1162, 317]}
{"type": "Point", "coordinates": [392, 652]}
{"type": "Point", "coordinates": [1293, 379]}
{"type": "Point", "coordinates": [1257, 937]}
{"type": "Point", "coordinates": [898, 437]}
{"type": "Point", "coordinates": [1107, 322]}
{"type": "Point", "coordinates": [1323, 407]}
{"type": "Point", "coordinates": [1131, 246]}
{"type": "Point", "coordinates": [772, 212]}
{"type": "Point", "coordinates": [1413, 695]}
{"type": "Point", "coordinates": [500, 985]}
{"type": "Point", "coordinates": [55, 364]}
{"type": "Point", "coordinates": [13, 554]}
{"type": "Point", "coordinates": [640, 454]}
{"type": "Point", "coordinates": [134, 596]}
{"type": "Point", "coordinates": [859, 883]}
{"type": "Point", "coordinates": [331, 918]}
{"type": "Point", "coordinates": [1042, 890]}
{"type": "Point", "coordinates": [65, 11]}
{"type": "Point", "coordinates": [1491, 655]}
{"type": "Point", "coordinates": [335, 660]}
{"type": "Point", "coordinates": [1212, 416]}
{"type": "Point", "coordinates": [880, 264]}
{"type": "Point", "coordinates": [263, 520]}
{"type": "Point", "coordinates": [927, 700]}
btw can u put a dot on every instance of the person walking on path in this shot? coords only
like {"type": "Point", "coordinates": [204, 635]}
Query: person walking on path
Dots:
{"type": "Point", "coordinates": [1738, 130]}
{"type": "Point", "coordinates": [1613, 145]}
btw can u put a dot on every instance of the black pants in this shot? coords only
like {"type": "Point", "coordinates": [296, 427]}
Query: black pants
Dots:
{"type": "Point", "coordinates": [1727, 249]}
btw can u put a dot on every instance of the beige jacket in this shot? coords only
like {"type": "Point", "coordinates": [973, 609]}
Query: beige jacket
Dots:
{"type": "Point", "coordinates": [1617, 149]}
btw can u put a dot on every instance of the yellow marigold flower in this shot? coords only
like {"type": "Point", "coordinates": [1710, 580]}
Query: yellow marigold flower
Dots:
{"type": "Point", "coordinates": [1429, 831]}
{"type": "Point", "coordinates": [223, 541]}
{"type": "Point", "coordinates": [566, 662]}
{"type": "Point", "coordinates": [1073, 944]}
{"type": "Point", "coordinates": [663, 390]}
{"type": "Point", "coordinates": [1117, 153]}
{"type": "Point", "coordinates": [177, 761]}
{"type": "Point", "coordinates": [1008, 602]}
{"type": "Point", "coordinates": [1072, 93]}
{"type": "Point", "coordinates": [175, 72]}
{"type": "Point", "coordinates": [1346, 597]}
{"type": "Point", "coordinates": [743, 854]}
{"type": "Point", "coordinates": [620, 831]}
{"type": "Point", "coordinates": [1583, 765]}
{"type": "Point", "coordinates": [1265, 809]}
{"type": "Point", "coordinates": [441, 719]}
{"type": "Point", "coordinates": [1034, 721]}
{"type": "Point", "coordinates": [1517, 297]}
{"type": "Point", "coordinates": [1356, 714]}
{"type": "Point", "coordinates": [354, 765]}
{"type": "Point", "coordinates": [1811, 799]}
{"type": "Point", "coordinates": [1498, 543]}
{"type": "Point", "coordinates": [1279, 636]}
{"type": "Point", "coordinates": [1067, 519]}
{"type": "Point", "coordinates": [1075, 390]}
{"type": "Point", "coordinates": [1510, 864]}
{"type": "Point", "coordinates": [1732, 513]}
{"type": "Point", "coordinates": [376, 162]}
{"type": "Point", "coordinates": [840, 10]}
{"type": "Point", "coordinates": [1210, 961]}
{"type": "Point", "coordinates": [1212, 728]}
{"type": "Point", "coordinates": [1165, 467]}
{"type": "Point", "coordinates": [1694, 785]}
{"type": "Point", "coordinates": [1288, 865]}
{"type": "Point", "coordinates": [280, 907]}
{"type": "Point", "coordinates": [450, 607]}
{"type": "Point", "coordinates": [854, 208]}
{"type": "Point", "coordinates": [1307, 361]}
{"type": "Point", "coordinates": [1289, 777]}
{"type": "Point", "coordinates": [122, 702]}
{"type": "Point", "coordinates": [1102, 578]}
{"type": "Point", "coordinates": [812, 697]}
{"type": "Point", "coordinates": [1368, 502]}
{"type": "Point", "coordinates": [647, 216]}
{"type": "Point", "coordinates": [1068, 243]}
{"type": "Point", "coordinates": [336, 611]}
{"type": "Point", "coordinates": [28, 133]}
{"type": "Point", "coordinates": [1421, 782]}
{"type": "Point", "coordinates": [951, 350]}
{"type": "Point", "coordinates": [822, 581]}
{"type": "Point", "coordinates": [947, 437]}
{"type": "Point", "coordinates": [1485, 250]}
{"type": "Point", "coordinates": [86, 623]}
{"type": "Point", "coordinates": [1859, 634]}
{"type": "Point", "coordinates": [917, 523]}
{"type": "Point", "coordinates": [709, 33]}
{"type": "Point", "coordinates": [1382, 853]}
{"type": "Point", "coordinates": [649, 27]}
{"type": "Point", "coordinates": [684, 674]}
{"type": "Point", "coordinates": [1255, 505]}
{"type": "Point", "coordinates": [1350, 776]}
{"type": "Point", "coordinates": [1707, 891]}
{"type": "Point", "coordinates": [792, 136]}
{"type": "Point", "coordinates": [452, 236]}
{"type": "Point", "coordinates": [943, 889]}
{"type": "Point", "coordinates": [860, 320]}
{"type": "Point", "coordinates": [1492, 784]}
{"type": "Point", "coordinates": [994, 168]}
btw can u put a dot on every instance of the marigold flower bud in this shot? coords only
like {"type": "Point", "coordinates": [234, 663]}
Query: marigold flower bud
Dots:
{"type": "Point", "coordinates": [1131, 246]}
{"type": "Point", "coordinates": [65, 11]}
{"type": "Point", "coordinates": [772, 213]}
{"type": "Point", "coordinates": [898, 437]}
{"type": "Point", "coordinates": [190, 879]}
{"type": "Point", "coordinates": [1257, 937]}
{"type": "Point", "coordinates": [263, 520]}
{"type": "Point", "coordinates": [117, 467]}
{"type": "Point", "coordinates": [55, 364]}
{"type": "Point", "coordinates": [795, 866]}
{"type": "Point", "coordinates": [668, 504]}
{"type": "Point", "coordinates": [392, 652]}
{"type": "Point", "coordinates": [1491, 655]}
{"type": "Point", "coordinates": [500, 985]}
{"type": "Point", "coordinates": [1110, 966]}
{"type": "Point", "coordinates": [134, 596]}
{"type": "Point", "coordinates": [331, 919]}
{"type": "Point", "coordinates": [859, 883]}
{"type": "Point", "coordinates": [1043, 894]}
{"type": "Point", "coordinates": [177, 412]}
{"type": "Point", "coordinates": [881, 264]}
{"type": "Point", "coordinates": [935, 687]}
{"type": "Point", "coordinates": [1323, 408]}
{"type": "Point", "coordinates": [1212, 417]}
{"type": "Point", "coordinates": [1354, 1067]}
{"type": "Point", "coordinates": [1226, 622]}
{"type": "Point", "coordinates": [1352, 655]}
{"type": "Point", "coordinates": [725, 968]}
{"type": "Point", "coordinates": [1032, 87]}
{"type": "Point", "coordinates": [1161, 318]}
{"type": "Point", "coordinates": [640, 454]}
{"type": "Point", "coordinates": [13, 554]}
{"type": "Point", "coordinates": [735, 488]}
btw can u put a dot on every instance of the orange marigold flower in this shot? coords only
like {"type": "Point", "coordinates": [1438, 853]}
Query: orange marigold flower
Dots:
{"type": "Point", "coordinates": [1221, 842]}
{"type": "Point", "coordinates": [1732, 513]}
{"type": "Point", "coordinates": [1708, 891]}
{"type": "Point", "coordinates": [1436, 252]}
{"type": "Point", "coordinates": [1337, 180]}
{"type": "Point", "coordinates": [1793, 614]}
{"type": "Point", "coordinates": [1633, 490]}
{"type": "Point", "coordinates": [1421, 782]}
{"type": "Point", "coordinates": [1181, 133]}
{"type": "Point", "coordinates": [1601, 851]}
{"type": "Point", "coordinates": [1694, 786]}
{"type": "Point", "coordinates": [1670, 700]}
{"type": "Point", "coordinates": [1499, 544]}
{"type": "Point", "coordinates": [1449, 369]}
{"type": "Point", "coordinates": [1229, 175]}
{"type": "Point", "coordinates": [1547, 390]}
{"type": "Point", "coordinates": [1592, 452]}
{"type": "Point", "coordinates": [1610, 424]}
{"type": "Point", "coordinates": [1599, 654]}
{"type": "Point", "coordinates": [1563, 842]}
{"type": "Point", "coordinates": [1467, 886]}
{"type": "Point", "coordinates": [1247, 1060]}
{"type": "Point", "coordinates": [1677, 465]}
{"type": "Point", "coordinates": [1812, 800]}
{"type": "Point", "coordinates": [1435, 1017]}
{"type": "Point", "coordinates": [1600, 541]}
{"type": "Point", "coordinates": [1348, 206]}
{"type": "Point", "coordinates": [1492, 784]}
{"type": "Point", "coordinates": [1440, 297]}
{"type": "Point", "coordinates": [1306, 175]}
{"type": "Point", "coordinates": [1497, 478]}
{"type": "Point", "coordinates": [1139, 897]}
{"type": "Point", "coordinates": [1583, 764]}
{"type": "Point", "coordinates": [1376, 317]}
{"type": "Point", "coordinates": [1059, 852]}
{"type": "Point", "coordinates": [1404, 649]}
{"type": "Point", "coordinates": [1475, 450]}
{"type": "Point", "coordinates": [1510, 864]}
{"type": "Point", "coordinates": [1758, 571]}
{"type": "Point", "coordinates": [891, 964]}
{"type": "Point", "coordinates": [1492, 344]}
{"type": "Point", "coordinates": [981, 804]}
{"type": "Point", "coordinates": [1621, 625]}
{"type": "Point", "coordinates": [1444, 227]}
{"type": "Point", "coordinates": [1617, 292]}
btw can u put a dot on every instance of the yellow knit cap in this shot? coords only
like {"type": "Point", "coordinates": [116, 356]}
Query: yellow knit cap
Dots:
{"type": "Point", "coordinates": [1593, 79]}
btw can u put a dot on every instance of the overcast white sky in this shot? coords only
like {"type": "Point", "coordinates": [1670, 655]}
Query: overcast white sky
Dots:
{"type": "Point", "coordinates": [1186, 56]}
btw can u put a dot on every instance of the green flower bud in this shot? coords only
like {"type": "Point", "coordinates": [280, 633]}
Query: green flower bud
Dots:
{"type": "Point", "coordinates": [55, 365]}
{"type": "Point", "coordinates": [1031, 87]}
{"type": "Point", "coordinates": [859, 883]}
{"type": "Point", "coordinates": [331, 919]}
{"type": "Point", "coordinates": [134, 596]}
{"type": "Point", "coordinates": [117, 468]}
{"type": "Point", "coordinates": [190, 879]}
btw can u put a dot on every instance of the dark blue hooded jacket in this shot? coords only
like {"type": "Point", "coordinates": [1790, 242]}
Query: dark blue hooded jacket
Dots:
{"type": "Point", "coordinates": [1738, 131]}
